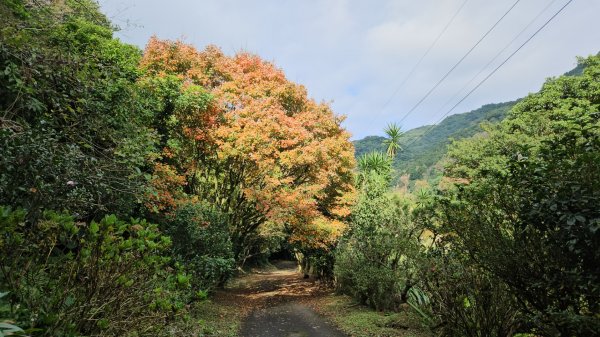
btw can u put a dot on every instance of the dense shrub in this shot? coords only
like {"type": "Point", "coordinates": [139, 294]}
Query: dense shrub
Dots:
{"type": "Point", "coordinates": [7, 326]}
{"type": "Point", "coordinates": [201, 244]}
{"type": "Point", "coordinates": [72, 130]}
{"type": "Point", "coordinates": [68, 278]}
{"type": "Point", "coordinates": [464, 300]}
{"type": "Point", "coordinates": [527, 207]}
{"type": "Point", "coordinates": [376, 262]}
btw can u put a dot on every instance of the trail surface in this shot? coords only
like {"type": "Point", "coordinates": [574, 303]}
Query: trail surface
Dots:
{"type": "Point", "coordinates": [274, 301]}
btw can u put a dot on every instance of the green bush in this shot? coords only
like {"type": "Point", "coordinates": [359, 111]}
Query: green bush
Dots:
{"type": "Point", "coordinates": [73, 130]}
{"type": "Point", "coordinates": [376, 262]}
{"type": "Point", "coordinates": [201, 244]}
{"type": "Point", "coordinates": [68, 278]}
{"type": "Point", "coordinates": [465, 300]}
{"type": "Point", "coordinates": [528, 207]}
{"type": "Point", "coordinates": [7, 327]}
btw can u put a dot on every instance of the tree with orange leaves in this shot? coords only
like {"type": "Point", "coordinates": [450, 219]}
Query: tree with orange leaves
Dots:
{"type": "Point", "coordinates": [250, 142]}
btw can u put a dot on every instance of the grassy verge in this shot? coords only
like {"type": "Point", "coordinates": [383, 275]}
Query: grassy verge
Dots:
{"type": "Point", "coordinates": [209, 318]}
{"type": "Point", "coordinates": [215, 319]}
{"type": "Point", "coordinates": [359, 321]}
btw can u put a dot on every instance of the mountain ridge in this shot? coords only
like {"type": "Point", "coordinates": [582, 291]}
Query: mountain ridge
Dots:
{"type": "Point", "coordinates": [427, 148]}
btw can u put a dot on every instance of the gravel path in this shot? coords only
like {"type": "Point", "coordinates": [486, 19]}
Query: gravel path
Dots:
{"type": "Point", "coordinates": [287, 320]}
{"type": "Point", "coordinates": [274, 302]}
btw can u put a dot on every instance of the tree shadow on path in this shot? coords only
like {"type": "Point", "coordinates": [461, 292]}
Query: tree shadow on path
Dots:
{"type": "Point", "coordinates": [273, 301]}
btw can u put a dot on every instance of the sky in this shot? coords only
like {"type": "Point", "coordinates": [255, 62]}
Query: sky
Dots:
{"type": "Point", "coordinates": [357, 55]}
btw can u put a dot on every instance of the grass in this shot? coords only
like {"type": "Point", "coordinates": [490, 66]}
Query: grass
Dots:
{"type": "Point", "coordinates": [208, 318]}
{"type": "Point", "coordinates": [216, 319]}
{"type": "Point", "coordinates": [359, 321]}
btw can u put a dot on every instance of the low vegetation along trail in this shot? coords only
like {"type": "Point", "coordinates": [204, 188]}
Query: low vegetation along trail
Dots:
{"type": "Point", "coordinates": [277, 303]}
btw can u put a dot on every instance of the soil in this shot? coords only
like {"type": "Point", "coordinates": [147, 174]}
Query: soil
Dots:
{"type": "Point", "coordinates": [276, 303]}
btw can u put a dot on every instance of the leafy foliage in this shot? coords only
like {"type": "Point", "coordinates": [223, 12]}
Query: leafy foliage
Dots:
{"type": "Point", "coordinates": [71, 132]}
{"type": "Point", "coordinates": [528, 208]}
{"type": "Point", "coordinates": [70, 278]}
{"type": "Point", "coordinates": [374, 163]}
{"type": "Point", "coordinates": [74, 135]}
{"type": "Point", "coordinates": [260, 151]}
{"type": "Point", "coordinates": [376, 262]}
{"type": "Point", "coordinates": [7, 327]}
{"type": "Point", "coordinates": [201, 244]}
{"type": "Point", "coordinates": [465, 300]}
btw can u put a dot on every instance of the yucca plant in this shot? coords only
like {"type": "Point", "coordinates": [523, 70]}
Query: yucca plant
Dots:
{"type": "Point", "coordinates": [374, 162]}
{"type": "Point", "coordinates": [394, 133]}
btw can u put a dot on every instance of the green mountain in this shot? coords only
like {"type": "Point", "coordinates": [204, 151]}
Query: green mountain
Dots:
{"type": "Point", "coordinates": [425, 146]}
{"type": "Point", "coordinates": [368, 144]}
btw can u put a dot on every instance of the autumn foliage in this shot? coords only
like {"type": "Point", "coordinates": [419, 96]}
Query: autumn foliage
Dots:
{"type": "Point", "coordinates": [258, 147]}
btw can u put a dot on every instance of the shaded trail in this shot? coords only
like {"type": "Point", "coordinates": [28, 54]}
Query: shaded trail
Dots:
{"type": "Point", "coordinates": [274, 302]}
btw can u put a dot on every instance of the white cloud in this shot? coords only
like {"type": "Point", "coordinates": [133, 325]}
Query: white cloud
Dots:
{"type": "Point", "coordinates": [356, 53]}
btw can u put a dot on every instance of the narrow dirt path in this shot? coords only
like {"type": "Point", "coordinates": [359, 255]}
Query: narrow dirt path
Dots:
{"type": "Point", "coordinates": [273, 301]}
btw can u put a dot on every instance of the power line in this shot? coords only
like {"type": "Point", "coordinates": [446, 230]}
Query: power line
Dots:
{"type": "Point", "coordinates": [496, 56]}
{"type": "Point", "coordinates": [459, 62]}
{"type": "Point", "coordinates": [410, 73]}
{"type": "Point", "coordinates": [491, 73]}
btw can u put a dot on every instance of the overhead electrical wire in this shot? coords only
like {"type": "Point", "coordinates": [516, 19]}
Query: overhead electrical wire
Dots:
{"type": "Point", "coordinates": [416, 65]}
{"type": "Point", "coordinates": [496, 56]}
{"type": "Point", "coordinates": [441, 80]}
{"type": "Point", "coordinates": [491, 73]}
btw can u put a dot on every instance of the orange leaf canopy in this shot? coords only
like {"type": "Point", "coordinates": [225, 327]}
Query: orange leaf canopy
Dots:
{"type": "Point", "coordinates": [297, 159]}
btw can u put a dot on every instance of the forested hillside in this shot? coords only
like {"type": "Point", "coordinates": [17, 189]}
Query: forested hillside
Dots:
{"type": "Point", "coordinates": [419, 159]}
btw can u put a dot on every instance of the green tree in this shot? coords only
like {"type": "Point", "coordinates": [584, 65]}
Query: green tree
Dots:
{"type": "Point", "coordinates": [201, 243]}
{"type": "Point", "coordinates": [527, 206]}
{"type": "Point", "coordinates": [376, 262]}
{"type": "Point", "coordinates": [75, 136]}
{"type": "Point", "coordinates": [72, 133]}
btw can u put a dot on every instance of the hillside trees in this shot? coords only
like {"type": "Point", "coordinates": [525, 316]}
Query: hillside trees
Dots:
{"type": "Point", "coordinates": [242, 137]}
{"type": "Point", "coordinates": [421, 160]}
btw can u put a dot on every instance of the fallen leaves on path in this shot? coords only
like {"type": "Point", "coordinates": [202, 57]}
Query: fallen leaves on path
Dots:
{"type": "Point", "coordinates": [265, 288]}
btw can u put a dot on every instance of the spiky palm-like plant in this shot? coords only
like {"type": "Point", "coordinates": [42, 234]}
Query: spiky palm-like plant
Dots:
{"type": "Point", "coordinates": [375, 162]}
{"type": "Point", "coordinates": [394, 132]}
